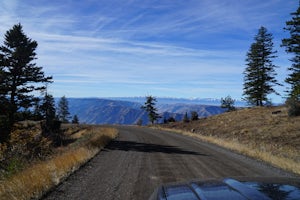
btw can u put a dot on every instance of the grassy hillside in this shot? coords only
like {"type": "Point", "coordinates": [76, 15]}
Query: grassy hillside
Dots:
{"type": "Point", "coordinates": [264, 133]}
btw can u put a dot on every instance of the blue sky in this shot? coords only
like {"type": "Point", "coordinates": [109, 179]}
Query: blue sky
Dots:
{"type": "Point", "coordinates": [166, 48]}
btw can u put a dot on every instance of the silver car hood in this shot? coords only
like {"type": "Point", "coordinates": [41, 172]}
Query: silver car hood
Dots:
{"type": "Point", "coordinates": [231, 188]}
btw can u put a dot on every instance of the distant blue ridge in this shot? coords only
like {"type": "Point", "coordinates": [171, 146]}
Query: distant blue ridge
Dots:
{"type": "Point", "coordinates": [127, 110]}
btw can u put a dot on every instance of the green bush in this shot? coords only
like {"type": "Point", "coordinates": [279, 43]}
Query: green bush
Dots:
{"type": "Point", "coordinates": [26, 144]}
{"type": "Point", "coordinates": [53, 132]}
{"type": "Point", "coordinates": [293, 105]}
{"type": "Point", "coordinates": [12, 165]}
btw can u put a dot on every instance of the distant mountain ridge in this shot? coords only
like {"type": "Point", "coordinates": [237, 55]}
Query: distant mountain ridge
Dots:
{"type": "Point", "coordinates": [103, 111]}
{"type": "Point", "coordinates": [170, 100]}
{"type": "Point", "coordinates": [127, 110]}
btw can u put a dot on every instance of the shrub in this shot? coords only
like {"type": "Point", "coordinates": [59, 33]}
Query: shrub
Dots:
{"type": "Point", "coordinates": [139, 122]}
{"type": "Point", "coordinates": [26, 144]}
{"type": "Point", "coordinates": [51, 129]}
{"type": "Point", "coordinates": [12, 165]}
{"type": "Point", "coordinates": [3, 149]}
{"type": "Point", "coordinates": [194, 116]}
{"type": "Point", "coordinates": [27, 141]}
{"type": "Point", "coordinates": [171, 119]}
{"type": "Point", "coordinates": [293, 105]}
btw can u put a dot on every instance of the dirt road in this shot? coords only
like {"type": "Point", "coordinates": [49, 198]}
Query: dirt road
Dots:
{"type": "Point", "coordinates": [140, 159]}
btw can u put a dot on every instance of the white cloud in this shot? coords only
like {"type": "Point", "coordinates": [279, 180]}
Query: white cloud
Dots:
{"type": "Point", "coordinates": [145, 45]}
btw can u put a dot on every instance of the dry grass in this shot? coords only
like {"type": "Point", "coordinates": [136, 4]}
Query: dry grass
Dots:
{"type": "Point", "coordinates": [34, 181]}
{"type": "Point", "coordinates": [256, 132]}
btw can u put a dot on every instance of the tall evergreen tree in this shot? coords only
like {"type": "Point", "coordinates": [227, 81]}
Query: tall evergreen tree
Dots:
{"type": "Point", "coordinates": [292, 45]}
{"type": "Point", "coordinates": [259, 78]}
{"type": "Point", "coordinates": [4, 108]}
{"type": "Point", "coordinates": [19, 75]}
{"type": "Point", "coordinates": [48, 108]}
{"type": "Point", "coordinates": [36, 114]}
{"type": "Point", "coordinates": [149, 107]}
{"type": "Point", "coordinates": [51, 126]}
{"type": "Point", "coordinates": [63, 110]}
{"type": "Point", "coordinates": [4, 104]}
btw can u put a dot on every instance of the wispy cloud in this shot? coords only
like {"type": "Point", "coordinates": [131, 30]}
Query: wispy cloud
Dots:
{"type": "Point", "coordinates": [134, 46]}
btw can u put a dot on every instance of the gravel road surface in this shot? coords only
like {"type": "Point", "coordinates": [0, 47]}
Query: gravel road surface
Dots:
{"type": "Point", "coordinates": [141, 159]}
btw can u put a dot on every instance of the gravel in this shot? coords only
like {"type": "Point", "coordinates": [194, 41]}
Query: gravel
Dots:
{"type": "Point", "coordinates": [141, 159]}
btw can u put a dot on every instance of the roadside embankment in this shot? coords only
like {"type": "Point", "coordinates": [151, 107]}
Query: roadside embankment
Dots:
{"type": "Point", "coordinates": [266, 134]}
{"type": "Point", "coordinates": [38, 178]}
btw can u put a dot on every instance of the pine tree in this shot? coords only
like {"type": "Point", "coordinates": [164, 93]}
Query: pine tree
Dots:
{"type": "Point", "coordinates": [63, 110]}
{"type": "Point", "coordinates": [149, 107]}
{"type": "Point", "coordinates": [37, 112]}
{"type": "Point", "coordinates": [75, 120]}
{"type": "Point", "coordinates": [48, 109]}
{"type": "Point", "coordinates": [228, 103]}
{"type": "Point", "coordinates": [19, 75]}
{"type": "Point", "coordinates": [4, 108]}
{"type": "Point", "coordinates": [50, 125]}
{"type": "Point", "coordinates": [260, 71]}
{"type": "Point", "coordinates": [185, 118]}
{"type": "Point", "coordinates": [292, 45]}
